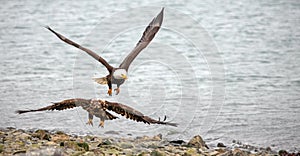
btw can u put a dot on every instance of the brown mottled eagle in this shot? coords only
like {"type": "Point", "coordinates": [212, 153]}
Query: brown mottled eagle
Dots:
{"type": "Point", "coordinates": [99, 108]}
{"type": "Point", "coordinates": [119, 75]}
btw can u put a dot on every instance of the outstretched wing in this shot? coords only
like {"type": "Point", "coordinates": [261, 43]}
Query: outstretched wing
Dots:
{"type": "Point", "coordinates": [132, 114]}
{"type": "Point", "coordinates": [148, 35]}
{"type": "Point", "coordinates": [90, 52]}
{"type": "Point", "coordinates": [66, 104]}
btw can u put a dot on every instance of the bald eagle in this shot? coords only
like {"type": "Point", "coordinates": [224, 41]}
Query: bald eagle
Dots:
{"type": "Point", "coordinates": [100, 108]}
{"type": "Point", "coordinates": [119, 75]}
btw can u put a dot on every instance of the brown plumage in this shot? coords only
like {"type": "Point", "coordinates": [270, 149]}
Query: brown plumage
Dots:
{"type": "Point", "coordinates": [100, 108]}
{"type": "Point", "coordinates": [118, 75]}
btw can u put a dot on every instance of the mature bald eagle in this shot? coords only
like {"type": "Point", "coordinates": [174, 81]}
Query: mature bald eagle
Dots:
{"type": "Point", "coordinates": [119, 75]}
{"type": "Point", "coordinates": [100, 108]}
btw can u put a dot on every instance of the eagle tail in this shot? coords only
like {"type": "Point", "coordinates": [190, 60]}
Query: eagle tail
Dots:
{"type": "Point", "coordinates": [102, 80]}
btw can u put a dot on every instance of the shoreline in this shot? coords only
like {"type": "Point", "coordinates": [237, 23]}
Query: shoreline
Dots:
{"type": "Point", "coordinates": [19, 142]}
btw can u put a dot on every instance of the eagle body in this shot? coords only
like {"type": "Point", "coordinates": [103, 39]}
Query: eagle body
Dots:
{"type": "Point", "coordinates": [100, 109]}
{"type": "Point", "coordinates": [119, 78]}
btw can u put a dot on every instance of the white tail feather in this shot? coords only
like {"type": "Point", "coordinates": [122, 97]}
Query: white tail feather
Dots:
{"type": "Point", "coordinates": [101, 80]}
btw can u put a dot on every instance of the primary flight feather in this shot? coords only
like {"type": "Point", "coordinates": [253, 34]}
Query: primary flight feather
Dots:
{"type": "Point", "coordinates": [100, 109]}
{"type": "Point", "coordinates": [119, 75]}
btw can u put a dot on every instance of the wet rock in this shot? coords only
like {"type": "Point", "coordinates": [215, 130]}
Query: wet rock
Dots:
{"type": "Point", "coordinates": [239, 152]}
{"type": "Point", "coordinates": [214, 153]}
{"type": "Point", "coordinates": [126, 145]}
{"type": "Point", "coordinates": [268, 149]}
{"type": "Point", "coordinates": [198, 142]}
{"type": "Point", "coordinates": [84, 145]}
{"type": "Point", "coordinates": [149, 138]}
{"type": "Point", "coordinates": [60, 133]}
{"type": "Point", "coordinates": [1, 148]}
{"type": "Point", "coordinates": [157, 153]}
{"type": "Point", "coordinates": [50, 143]}
{"type": "Point", "coordinates": [157, 137]}
{"type": "Point", "coordinates": [21, 142]}
{"type": "Point", "coordinates": [19, 152]}
{"type": "Point", "coordinates": [74, 146]}
{"type": "Point", "coordinates": [105, 142]}
{"type": "Point", "coordinates": [220, 145]}
{"type": "Point", "coordinates": [226, 153]}
{"type": "Point", "coordinates": [42, 134]}
{"type": "Point", "coordinates": [24, 136]}
{"type": "Point", "coordinates": [60, 137]}
{"type": "Point", "coordinates": [89, 154]}
{"type": "Point", "coordinates": [143, 154]}
{"type": "Point", "coordinates": [283, 153]}
{"type": "Point", "coordinates": [112, 132]}
{"type": "Point", "coordinates": [177, 142]}
{"type": "Point", "coordinates": [191, 152]}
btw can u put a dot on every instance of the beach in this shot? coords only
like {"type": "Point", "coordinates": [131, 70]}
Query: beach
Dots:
{"type": "Point", "coordinates": [42, 142]}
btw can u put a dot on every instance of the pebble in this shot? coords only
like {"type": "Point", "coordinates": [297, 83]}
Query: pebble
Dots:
{"type": "Point", "coordinates": [42, 142]}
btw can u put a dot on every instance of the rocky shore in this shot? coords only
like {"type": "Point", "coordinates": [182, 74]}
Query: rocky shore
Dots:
{"type": "Point", "coordinates": [42, 142]}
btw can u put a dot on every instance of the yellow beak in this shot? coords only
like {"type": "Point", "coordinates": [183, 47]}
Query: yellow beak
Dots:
{"type": "Point", "coordinates": [124, 77]}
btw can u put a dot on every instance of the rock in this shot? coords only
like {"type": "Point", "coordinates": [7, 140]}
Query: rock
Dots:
{"type": "Point", "coordinates": [239, 152]}
{"type": "Point", "coordinates": [89, 154]}
{"type": "Point", "coordinates": [177, 142]}
{"type": "Point", "coordinates": [50, 143]}
{"type": "Point", "coordinates": [1, 148]}
{"type": "Point", "coordinates": [60, 133]}
{"type": "Point", "coordinates": [19, 152]}
{"type": "Point", "coordinates": [42, 134]}
{"type": "Point", "coordinates": [143, 154]}
{"type": "Point", "coordinates": [24, 136]}
{"type": "Point", "coordinates": [157, 137]}
{"type": "Point", "coordinates": [84, 145]}
{"type": "Point", "coordinates": [268, 149]}
{"type": "Point", "coordinates": [126, 145]}
{"type": "Point", "coordinates": [105, 142]}
{"type": "Point", "coordinates": [220, 145]}
{"type": "Point", "coordinates": [148, 138]}
{"type": "Point", "coordinates": [112, 132]}
{"type": "Point", "coordinates": [227, 153]}
{"type": "Point", "coordinates": [214, 153]}
{"type": "Point", "coordinates": [75, 146]}
{"type": "Point", "coordinates": [42, 142]}
{"type": "Point", "coordinates": [60, 137]}
{"type": "Point", "coordinates": [198, 142]}
{"type": "Point", "coordinates": [283, 152]}
{"type": "Point", "coordinates": [157, 153]}
{"type": "Point", "coordinates": [191, 152]}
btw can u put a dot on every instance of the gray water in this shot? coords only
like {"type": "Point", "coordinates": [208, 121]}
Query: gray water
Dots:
{"type": "Point", "coordinates": [224, 70]}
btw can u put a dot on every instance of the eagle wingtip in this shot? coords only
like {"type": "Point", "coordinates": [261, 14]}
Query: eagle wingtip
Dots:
{"type": "Point", "coordinates": [47, 27]}
{"type": "Point", "coordinates": [20, 111]}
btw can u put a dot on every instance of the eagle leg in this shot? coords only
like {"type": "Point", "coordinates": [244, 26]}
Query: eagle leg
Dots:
{"type": "Point", "coordinates": [117, 90]}
{"type": "Point", "coordinates": [90, 121]}
{"type": "Point", "coordinates": [101, 124]}
{"type": "Point", "coordinates": [109, 92]}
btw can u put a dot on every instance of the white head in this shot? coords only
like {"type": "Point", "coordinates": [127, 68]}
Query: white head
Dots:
{"type": "Point", "coordinates": [120, 74]}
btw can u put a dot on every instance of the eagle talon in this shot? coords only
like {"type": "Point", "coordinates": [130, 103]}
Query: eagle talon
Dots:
{"type": "Point", "coordinates": [90, 122]}
{"type": "Point", "coordinates": [117, 90]}
{"type": "Point", "coordinates": [101, 124]}
{"type": "Point", "coordinates": [109, 92]}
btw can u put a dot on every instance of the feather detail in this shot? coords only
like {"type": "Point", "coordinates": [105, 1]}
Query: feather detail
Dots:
{"type": "Point", "coordinates": [102, 80]}
{"type": "Point", "coordinates": [100, 108]}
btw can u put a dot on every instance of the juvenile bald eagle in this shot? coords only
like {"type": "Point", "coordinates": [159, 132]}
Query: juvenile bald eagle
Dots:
{"type": "Point", "coordinates": [119, 75]}
{"type": "Point", "coordinates": [100, 108]}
